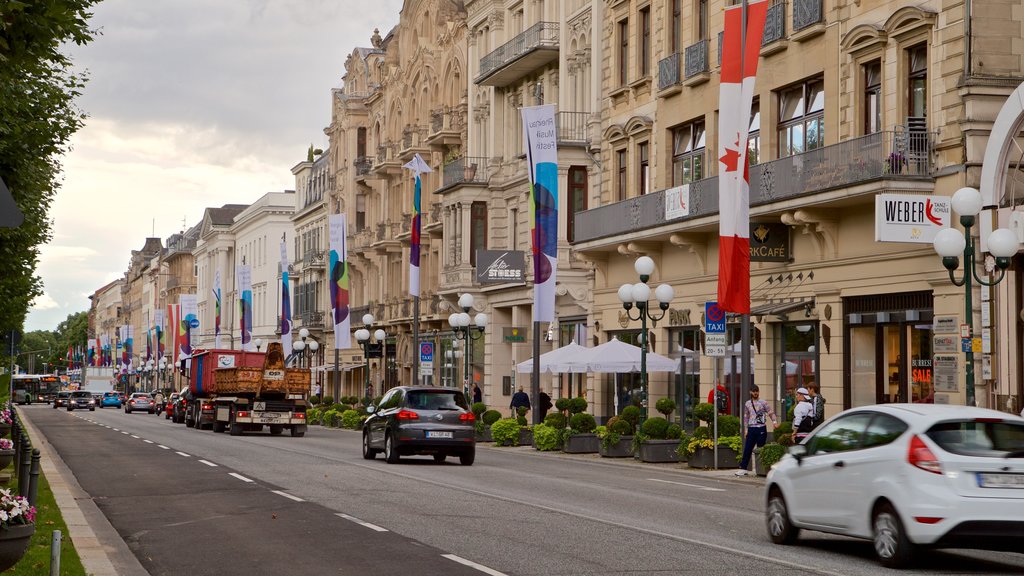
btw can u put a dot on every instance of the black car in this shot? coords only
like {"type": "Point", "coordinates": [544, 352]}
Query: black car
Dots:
{"type": "Point", "coordinates": [421, 420]}
{"type": "Point", "coordinates": [81, 399]}
{"type": "Point", "coordinates": [61, 398]}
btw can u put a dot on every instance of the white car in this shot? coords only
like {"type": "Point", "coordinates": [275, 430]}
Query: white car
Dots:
{"type": "Point", "coordinates": [905, 476]}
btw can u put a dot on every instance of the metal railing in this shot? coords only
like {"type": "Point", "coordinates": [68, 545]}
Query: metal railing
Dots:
{"type": "Point", "coordinates": [895, 154]}
{"type": "Point", "coordinates": [313, 319]}
{"type": "Point", "coordinates": [571, 126]}
{"type": "Point", "coordinates": [313, 258]}
{"type": "Point", "coordinates": [541, 34]}
{"type": "Point", "coordinates": [362, 165]}
{"type": "Point", "coordinates": [668, 71]}
{"type": "Point", "coordinates": [468, 169]}
{"type": "Point", "coordinates": [774, 23]}
{"type": "Point", "coordinates": [436, 120]}
{"type": "Point", "coordinates": [806, 13]}
{"type": "Point", "coordinates": [696, 58]}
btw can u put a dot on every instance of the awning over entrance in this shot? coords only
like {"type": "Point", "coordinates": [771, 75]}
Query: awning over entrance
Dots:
{"type": "Point", "coordinates": [782, 308]}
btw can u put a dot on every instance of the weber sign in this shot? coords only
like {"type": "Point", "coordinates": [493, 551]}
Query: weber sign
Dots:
{"type": "Point", "coordinates": [910, 217]}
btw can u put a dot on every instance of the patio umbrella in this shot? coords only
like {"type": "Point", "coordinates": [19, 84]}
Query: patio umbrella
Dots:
{"type": "Point", "coordinates": [555, 361]}
{"type": "Point", "coordinates": [618, 356]}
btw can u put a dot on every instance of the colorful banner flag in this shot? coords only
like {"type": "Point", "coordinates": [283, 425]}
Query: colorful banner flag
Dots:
{"type": "Point", "coordinates": [736, 95]}
{"type": "Point", "coordinates": [541, 147]}
{"type": "Point", "coordinates": [188, 324]}
{"type": "Point", "coordinates": [216, 309]}
{"type": "Point", "coordinates": [339, 281]}
{"type": "Point", "coordinates": [286, 301]}
{"type": "Point", "coordinates": [173, 328]}
{"type": "Point", "coordinates": [418, 166]}
{"type": "Point", "coordinates": [161, 330]}
{"type": "Point", "coordinates": [129, 348]}
{"type": "Point", "coordinates": [244, 278]}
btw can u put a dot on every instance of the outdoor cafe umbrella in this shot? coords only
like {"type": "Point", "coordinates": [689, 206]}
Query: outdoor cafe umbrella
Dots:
{"type": "Point", "coordinates": [559, 357]}
{"type": "Point", "coordinates": [617, 356]}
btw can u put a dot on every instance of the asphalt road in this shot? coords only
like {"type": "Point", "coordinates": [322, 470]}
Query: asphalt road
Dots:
{"type": "Point", "coordinates": [314, 503]}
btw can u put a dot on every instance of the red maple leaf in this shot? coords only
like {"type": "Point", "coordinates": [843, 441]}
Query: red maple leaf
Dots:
{"type": "Point", "coordinates": [731, 159]}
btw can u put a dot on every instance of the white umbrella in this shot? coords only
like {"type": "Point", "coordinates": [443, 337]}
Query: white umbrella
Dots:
{"type": "Point", "coordinates": [618, 356]}
{"type": "Point", "coordinates": [555, 361]}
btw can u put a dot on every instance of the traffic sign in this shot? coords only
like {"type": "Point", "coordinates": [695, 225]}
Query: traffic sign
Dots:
{"type": "Point", "coordinates": [714, 344]}
{"type": "Point", "coordinates": [194, 323]}
{"type": "Point", "coordinates": [714, 319]}
{"type": "Point", "coordinates": [426, 352]}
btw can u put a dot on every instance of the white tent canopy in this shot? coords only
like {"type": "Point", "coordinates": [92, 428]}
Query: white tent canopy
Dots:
{"type": "Point", "coordinates": [555, 358]}
{"type": "Point", "coordinates": [612, 356]}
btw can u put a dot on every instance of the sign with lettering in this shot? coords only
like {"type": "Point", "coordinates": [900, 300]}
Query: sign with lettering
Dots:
{"type": "Point", "coordinates": [945, 372]}
{"type": "Point", "coordinates": [513, 334]}
{"type": "Point", "coordinates": [677, 202]}
{"type": "Point", "coordinates": [910, 217]}
{"type": "Point", "coordinates": [769, 242]}
{"type": "Point", "coordinates": [944, 343]}
{"type": "Point", "coordinates": [500, 266]}
{"type": "Point", "coordinates": [945, 324]}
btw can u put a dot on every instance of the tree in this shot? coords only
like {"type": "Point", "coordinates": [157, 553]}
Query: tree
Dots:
{"type": "Point", "coordinates": [37, 119]}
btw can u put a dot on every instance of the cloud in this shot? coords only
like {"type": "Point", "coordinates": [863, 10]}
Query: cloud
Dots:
{"type": "Point", "coordinates": [44, 302]}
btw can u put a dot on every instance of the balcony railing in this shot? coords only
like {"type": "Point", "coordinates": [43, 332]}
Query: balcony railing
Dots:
{"type": "Point", "coordinates": [806, 13]}
{"type": "Point", "coordinates": [774, 23]}
{"type": "Point", "coordinates": [312, 319]}
{"type": "Point", "coordinates": [897, 154]}
{"type": "Point", "coordinates": [313, 258]}
{"type": "Point", "coordinates": [468, 169]}
{"type": "Point", "coordinates": [668, 71]}
{"type": "Point", "coordinates": [436, 120]}
{"type": "Point", "coordinates": [572, 127]}
{"type": "Point", "coordinates": [362, 165]}
{"type": "Point", "coordinates": [540, 35]}
{"type": "Point", "coordinates": [696, 58]}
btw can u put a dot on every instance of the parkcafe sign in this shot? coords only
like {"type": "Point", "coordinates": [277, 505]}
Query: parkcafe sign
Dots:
{"type": "Point", "coordinates": [910, 217]}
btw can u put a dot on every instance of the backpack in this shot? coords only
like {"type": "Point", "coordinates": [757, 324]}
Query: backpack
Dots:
{"type": "Point", "coordinates": [721, 401]}
{"type": "Point", "coordinates": [819, 409]}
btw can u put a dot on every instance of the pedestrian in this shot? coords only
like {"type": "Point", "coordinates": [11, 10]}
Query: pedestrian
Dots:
{"type": "Point", "coordinates": [756, 412]}
{"type": "Point", "coordinates": [158, 400]}
{"type": "Point", "coordinates": [544, 404]}
{"type": "Point", "coordinates": [520, 398]}
{"type": "Point", "coordinates": [818, 402]}
{"type": "Point", "coordinates": [803, 415]}
{"type": "Point", "coordinates": [316, 391]}
{"type": "Point", "coordinates": [478, 395]}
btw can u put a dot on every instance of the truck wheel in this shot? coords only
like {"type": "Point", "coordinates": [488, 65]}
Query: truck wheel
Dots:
{"type": "Point", "coordinates": [390, 451]}
{"type": "Point", "coordinates": [235, 429]}
{"type": "Point", "coordinates": [276, 429]}
{"type": "Point", "coordinates": [298, 431]}
{"type": "Point", "coordinates": [218, 426]}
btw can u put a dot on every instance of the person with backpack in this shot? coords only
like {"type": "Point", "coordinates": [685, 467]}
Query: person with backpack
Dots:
{"type": "Point", "coordinates": [755, 415]}
{"type": "Point", "coordinates": [719, 397]}
{"type": "Point", "coordinates": [803, 415]}
{"type": "Point", "coordinates": [818, 402]}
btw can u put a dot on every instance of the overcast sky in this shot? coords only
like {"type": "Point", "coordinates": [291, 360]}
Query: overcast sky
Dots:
{"type": "Point", "coordinates": [191, 103]}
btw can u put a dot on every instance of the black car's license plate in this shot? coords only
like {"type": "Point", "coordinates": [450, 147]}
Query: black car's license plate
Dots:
{"type": "Point", "coordinates": [439, 434]}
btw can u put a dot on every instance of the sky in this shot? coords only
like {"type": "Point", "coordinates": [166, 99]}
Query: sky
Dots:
{"type": "Point", "coordinates": [190, 104]}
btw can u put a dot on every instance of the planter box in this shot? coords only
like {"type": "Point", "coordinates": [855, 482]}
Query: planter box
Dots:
{"type": "Point", "coordinates": [705, 458]}
{"type": "Point", "coordinates": [525, 437]}
{"type": "Point", "coordinates": [621, 449]}
{"type": "Point", "coordinates": [659, 451]}
{"type": "Point", "coordinates": [484, 436]}
{"type": "Point", "coordinates": [582, 444]}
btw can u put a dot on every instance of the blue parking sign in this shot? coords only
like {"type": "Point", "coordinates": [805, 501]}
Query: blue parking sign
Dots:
{"type": "Point", "coordinates": [426, 352]}
{"type": "Point", "coordinates": [714, 318]}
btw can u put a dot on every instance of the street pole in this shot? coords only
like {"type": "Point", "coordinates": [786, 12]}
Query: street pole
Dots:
{"type": "Point", "coordinates": [416, 339]}
{"type": "Point", "coordinates": [642, 308]}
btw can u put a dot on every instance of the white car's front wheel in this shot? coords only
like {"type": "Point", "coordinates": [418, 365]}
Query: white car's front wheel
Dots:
{"type": "Point", "coordinates": [780, 528]}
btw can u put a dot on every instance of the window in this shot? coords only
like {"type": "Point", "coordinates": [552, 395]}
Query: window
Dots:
{"type": "Point", "coordinates": [801, 118]}
{"type": "Point", "coordinates": [645, 167]}
{"type": "Point", "coordinates": [702, 19]}
{"type": "Point", "coordinates": [478, 229]}
{"type": "Point", "coordinates": [840, 435]}
{"type": "Point", "coordinates": [360, 212]}
{"type": "Point", "coordinates": [918, 81]}
{"type": "Point", "coordinates": [677, 26]}
{"type": "Point", "coordinates": [360, 142]}
{"type": "Point", "coordinates": [645, 41]}
{"type": "Point", "coordinates": [621, 165]}
{"type": "Point", "coordinates": [754, 135]}
{"type": "Point", "coordinates": [688, 153]}
{"type": "Point", "coordinates": [577, 197]}
{"type": "Point", "coordinates": [623, 51]}
{"type": "Point", "coordinates": [872, 97]}
{"type": "Point", "coordinates": [883, 430]}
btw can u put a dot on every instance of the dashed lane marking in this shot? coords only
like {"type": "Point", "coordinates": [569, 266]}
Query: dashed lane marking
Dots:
{"type": "Point", "coordinates": [148, 441]}
{"type": "Point", "coordinates": [373, 527]}
{"type": "Point", "coordinates": [183, 454]}
{"type": "Point", "coordinates": [287, 495]}
{"type": "Point", "coordinates": [136, 437]}
{"type": "Point", "coordinates": [208, 463]}
{"type": "Point", "coordinates": [164, 447]}
{"type": "Point", "coordinates": [240, 477]}
{"type": "Point", "coordinates": [472, 564]}
{"type": "Point", "coordinates": [698, 486]}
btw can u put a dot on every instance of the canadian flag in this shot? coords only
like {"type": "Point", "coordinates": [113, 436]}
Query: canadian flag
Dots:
{"type": "Point", "coordinates": [736, 96]}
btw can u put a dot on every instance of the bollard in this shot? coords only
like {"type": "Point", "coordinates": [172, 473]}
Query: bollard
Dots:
{"type": "Point", "coordinates": [24, 469]}
{"type": "Point", "coordinates": [55, 554]}
{"type": "Point", "coordinates": [33, 478]}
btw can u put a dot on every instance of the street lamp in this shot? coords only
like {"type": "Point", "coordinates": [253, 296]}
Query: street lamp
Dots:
{"type": "Point", "coordinates": [639, 294]}
{"type": "Point", "coordinates": [950, 243]}
{"type": "Point", "coordinates": [303, 350]}
{"type": "Point", "coordinates": [459, 322]}
{"type": "Point", "coordinates": [363, 337]}
{"type": "Point", "coordinates": [163, 372]}
{"type": "Point", "coordinates": [150, 375]}
{"type": "Point", "coordinates": [259, 343]}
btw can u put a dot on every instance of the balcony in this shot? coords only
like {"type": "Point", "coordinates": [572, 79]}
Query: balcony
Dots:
{"type": "Point", "coordinates": [696, 66]}
{"type": "Point", "coordinates": [387, 162]}
{"type": "Point", "coordinates": [311, 319]}
{"type": "Point", "coordinates": [774, 24]}
{"type": "Point", "coordinates": [465, 170]}
{"type": "Point", "coordinates": [432, 224]}
{"type": "Point", "coordinates": [534, 48]}
{"type": "Point", "coordinates": [362, 164]}
{"type": "Point", "coordinates": [446, 126]}
{"type": "Point", "coordinates": [668, 72]}
{"type": "Point", "coordinates": [808, 19]}
{"type": "Point", "coordinates": [313, 259]}
{"type": "Point", "coordinates": [894, 155]}
{"type": "Point", "coordinates": [387, 236]}
{"type": "Point", "coordinates": [571, 128]}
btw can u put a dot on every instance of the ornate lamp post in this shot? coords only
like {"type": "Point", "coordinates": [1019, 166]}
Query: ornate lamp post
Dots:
{"type": "Point", "coordinates": [639, 294]}
{"type": "Point", "coordinates": [951, 244]}
{"type": "Point", "coordinates": [363, 337]}
{"type": "Point", "coordinates": [259, 343]}
{"type": "Point", "coordinates": [304, 350]}
{"type": "Point", "coordinates": [163, 372]}
{"type": "Point", "coordinates": [460, 324]}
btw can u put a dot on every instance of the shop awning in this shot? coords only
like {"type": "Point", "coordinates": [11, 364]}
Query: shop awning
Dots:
{"type": "Point", "coordinates": [782, 308]}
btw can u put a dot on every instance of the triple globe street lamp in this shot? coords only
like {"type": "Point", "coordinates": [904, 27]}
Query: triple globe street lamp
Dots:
{"type": "Point", "coordinates": [951, 243]}
{"type": "Point", "coordinates": [638, 294]}
{"type": "Point", "coordinates": [460, 324]}
{"type": "Point", "coordinates": [303, 350]}
{"type": "Point", "coordinates": [363, 337]}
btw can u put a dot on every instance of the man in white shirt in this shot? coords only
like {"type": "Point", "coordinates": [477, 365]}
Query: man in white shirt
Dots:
{"type": "Point", "coordinates": [803, 415]}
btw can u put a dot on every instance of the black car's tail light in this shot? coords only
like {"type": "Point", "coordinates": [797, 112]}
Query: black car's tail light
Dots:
{"type": "Point", "coordinates": [407, 415]}
{"type": "Point", "coordinates": [467, 417]}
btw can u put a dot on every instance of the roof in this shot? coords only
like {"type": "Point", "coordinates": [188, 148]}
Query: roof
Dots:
{"type": "Point", "coordinates": [225, 215]}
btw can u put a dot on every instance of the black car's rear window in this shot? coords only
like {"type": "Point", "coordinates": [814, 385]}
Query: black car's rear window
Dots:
{"type": "Point", "coordinates": [436, 400]}
{"type": "Point", "coordinates": [82, 394]}
{"type": "Point", "coordinates": [980, 437]}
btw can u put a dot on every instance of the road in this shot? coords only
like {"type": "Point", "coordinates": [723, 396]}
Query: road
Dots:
{"type": "Point", "coordinates": [195, 502]}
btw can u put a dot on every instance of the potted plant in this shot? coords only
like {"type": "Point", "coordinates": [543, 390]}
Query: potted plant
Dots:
{"type": "Point", "coordinates": [525, 430]}
{"type": "Point", "coordinates": [658, 440]}
{"type": "Point", "coordinates": [702, 448]}
{"type": "Point", "coordinates": [766, 457]}
{"type": "Point", "coordinates": [483, 425]}
{"type": "Point", "coordinates": [17, 524]}
{"type": "Point", "coordinates": [505, 432]}
{"type": "Point", "coordinates": [6, 453]}
{"type": "Point", "coordinates": [5, 420]}
{"type": "Point", "coordinates": [549, 435]}
{"type": "Point", "coordinates": [617, 441]}
{"type": "Point", "coordinates": [579, 437]}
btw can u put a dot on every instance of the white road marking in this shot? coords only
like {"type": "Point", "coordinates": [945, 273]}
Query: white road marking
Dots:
{"type": "Point", "coordinates": [183, 454]}
{"type": "Point", "coordinates": [136, 437]}
{"type": "Point", "coordinates": [114, 429]}
{"type": "Point", "coordinates": [373, 527]}
{"type": "Point", "coordinates": [208, 463]}
{"type": "Point", "coordinates": [148, 441]}
{"type": "Point", "coordinates": [123, 432]}
{"type": "Point", "coordinates": [698, 486]}
{"type": "Point", "coordinates": [164, 447]}
{"type": "Point", "coordinates": [240, 477]}
{"type": "Point", "coordinates": [287, 495]}
{"type": "Point", "coordinates": [472, 564]}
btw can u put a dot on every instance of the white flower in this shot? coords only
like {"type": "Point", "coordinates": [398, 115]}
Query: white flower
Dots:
{"type": "Point", "coordinates": [3, 515]}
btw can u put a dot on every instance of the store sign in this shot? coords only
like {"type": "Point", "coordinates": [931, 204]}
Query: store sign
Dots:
{"type": "Point", "coordinates": [677, 202]}
{"type": "Point", "coordinates": [944, 343]}
{"type": "Point", "coordinates": [769, 242]}
{"type": "Point", "coordinates": [945, 372]}
{"type": "Point", "coordinates": [945, 324]}
{"type": "Point", "coordinates": [513, 334]}
{"type": "Point", "coordinates": [500, 266]}
{"type": "Point", "coordinates": [910, 217]}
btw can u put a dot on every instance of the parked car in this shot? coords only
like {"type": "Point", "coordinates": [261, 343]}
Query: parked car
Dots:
{"type": "Point", "coordinates": [139, 401]}
{"type": "Point", "coordinates": [420, 420]}
{"type": "Point", "coordinates": [110, 399]}
{"type": "Point", "coordinates": [61, 398]}
{"type": "Point", "coordinates": [81, 399]}
{"type": "Point", "coordinates": [906, 476]}
{"type": "Point", "coordinates": [181, 406]}
{"type": "Point", "coordinates": [169, 405]}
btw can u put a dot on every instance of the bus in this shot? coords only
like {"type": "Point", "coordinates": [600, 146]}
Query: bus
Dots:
{"type": "Point", "coordinates": [29, 388]}
{"type": "Point", "coordinates": [48, 387]}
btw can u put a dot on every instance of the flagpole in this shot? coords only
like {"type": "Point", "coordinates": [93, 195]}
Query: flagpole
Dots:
{"type": "Point", "coordinates": [535, 384]}
{"type": "Point", "coordinates": [745, 321]}
{"type": "Point", "coordinates": [416, 339]}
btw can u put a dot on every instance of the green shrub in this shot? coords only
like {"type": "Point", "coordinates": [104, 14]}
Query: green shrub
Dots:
{"type": "Point", "coordinates": [313, 415]}
{"type": "Point", "coordinates": [620, 426]}
{"type": "Point", "coordinates": [770, 454]}
{"type": "Point", "coordinates": [478, 408]}
{"type": "Point", "coordinates": [601, 431]}
{"type": "Point", "coordinates": [331, 418]}
{"type": "Point", "coordinates": [314, 400]}
{"type": "Point", "coordinates": [785, 427]}
{"type": "Point", "coordinates": [521, 415]}
{"type": "Point", "coordinates": [577, 405]}
{"type": "Point", "coordinates": [673, 432]}
{"type": "Point", "coordinates": [582, 423]}
{"type": "Point", "coordinates": [340, 407]}
{"type": "Point", "coordinates": [328, 400]}
{"type": "Point", "coordinates": [784, 439]}
{"type": "Point", "coordinates": [555, 420]}
{"type": "Point", "coordinates": [654, 428]}
{"type": "Point", "coordinates": [563, 404]}
{"type": "Point", "coordinates": [631, 414]}
{"type": "Point", "coordinates": [704, 412]}
{"type": "Point", "coordinates": [683, 449]}
{"type": "Point", "coordinates": [666, 406]}
{"type": "Point", "coordinates": [702, 432]}
{"type": "Point", "coordinates": [505, 432]}
{"type": "Point", "coordinates": [350, 419]}
{"type": "Point", "coordinates": [546, 437]}
{"type": "Point", "coordinates": [491, 416]}
{"type": "Point", "coordinates": [734, 442]}
{"type": "Point", "coordinates": [728, 425]}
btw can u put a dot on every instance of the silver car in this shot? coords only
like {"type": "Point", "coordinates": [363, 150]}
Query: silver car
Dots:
{"type": "Point", "coordinates": [140, 401]}
{"type": "Point", "coordinates": [420, 420]}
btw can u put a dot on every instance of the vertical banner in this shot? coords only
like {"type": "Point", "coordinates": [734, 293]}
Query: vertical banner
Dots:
{"type": "Point", "coordinates": [286, 301]}
{"type": "Point", "coordinates": [542, 161]}
{"type": "Point", "coordinates": [173, 326]}
{"type": "Point", "coordinates": [189, 321]}
{"type": "Point", "coordinates": [418, 166]}
{"type": "Point", "coordinates": [339, 282]}
{"type": "Point", "coordinates": [129, 347]}
{"type": "Point", "coordinates": [160, 334]}
{"type": "Point", "coordinates": [736, 95]}
{"type": "Point", "coordinates": [244, 279]}
{"type": "Point", "coordinates": [216, 309]}
{"type": "Point", "coordinates": [122, 335]}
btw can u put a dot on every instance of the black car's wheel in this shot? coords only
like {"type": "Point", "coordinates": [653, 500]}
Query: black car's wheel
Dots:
{"type": "Point", "coordinates": [368, 453]}
{"type": "Point", "coordinates": [893, 548]}
{"type": "Point", "coordinates": [71, 408]}
{"type": "Point", "coordinates": [92, 408]}
{"type": "Point", "coordinates": [390, 450]}
{"type": "Point", "coordinates": [467, 457]}
{"type": "Point", "coordinates": [167, 415]}
{"type": "Point", "coordinates": [276, 429]}
{"type": "Point", "coordinates": [440, 457]}
{"type": "Point", "coordinates": [780, 529]}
